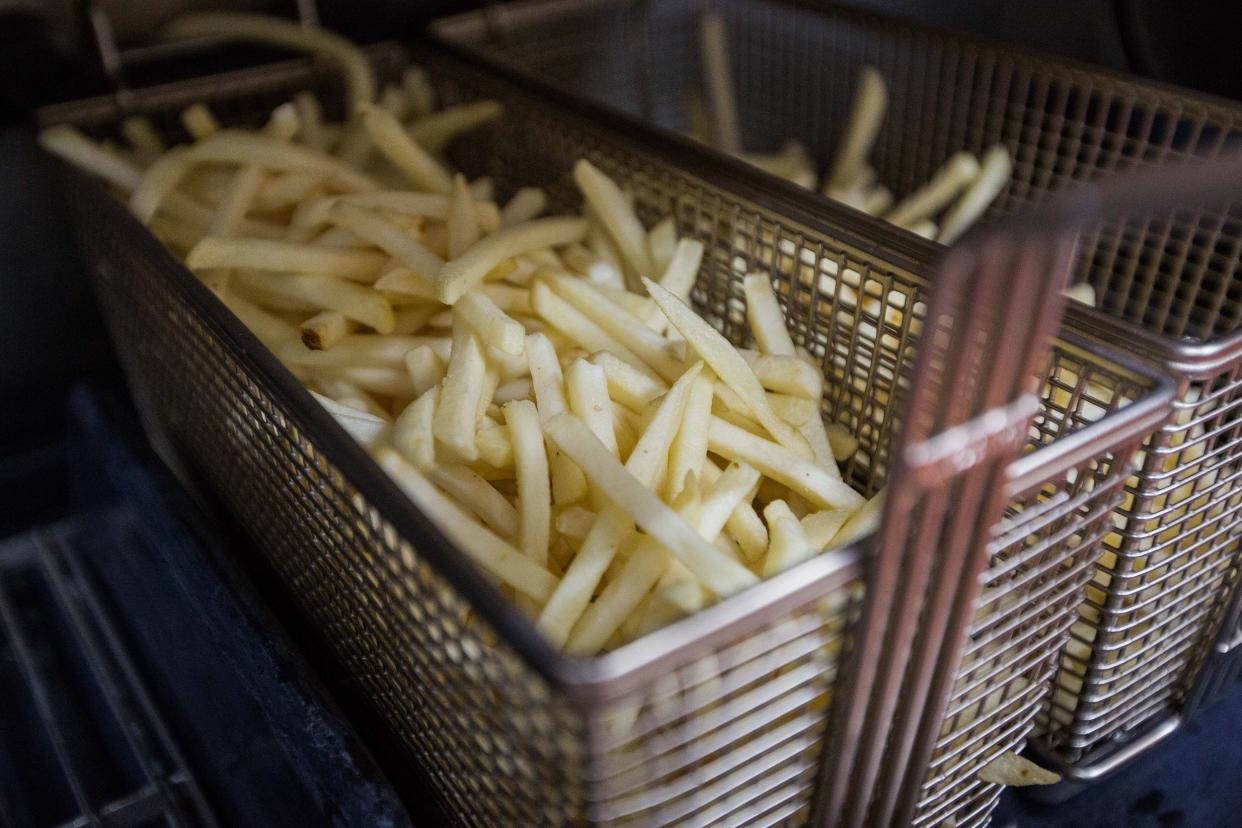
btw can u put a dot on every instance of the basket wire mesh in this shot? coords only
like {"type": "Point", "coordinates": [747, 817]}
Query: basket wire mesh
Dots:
{"type": "Point", "coordinates": [722, 716]}
{"type": "Point", "coordinates": [1162, 615]}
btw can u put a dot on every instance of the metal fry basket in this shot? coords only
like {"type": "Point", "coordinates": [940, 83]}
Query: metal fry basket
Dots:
{"type": "Point", "coordinates": [726, 716]}
{"type": "Point", "coordinates": [1160, 632]}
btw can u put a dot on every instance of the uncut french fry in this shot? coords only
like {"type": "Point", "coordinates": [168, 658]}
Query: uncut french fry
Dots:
{"type": "Point", "coordinates": [71, 145]}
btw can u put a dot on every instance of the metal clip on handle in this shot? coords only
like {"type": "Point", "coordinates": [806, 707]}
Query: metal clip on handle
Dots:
{"type": "Point", "coordinates": [996, 304]}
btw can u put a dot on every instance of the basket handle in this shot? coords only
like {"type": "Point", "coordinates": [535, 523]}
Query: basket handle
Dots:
{"type": "Point", "coordinates": [996, 304]}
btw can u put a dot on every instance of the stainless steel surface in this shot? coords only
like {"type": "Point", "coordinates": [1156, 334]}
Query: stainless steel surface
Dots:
{"type": "Point", "coordinates": [722, 716]}
{"type": "Point", "coordinates": [1166, 279]}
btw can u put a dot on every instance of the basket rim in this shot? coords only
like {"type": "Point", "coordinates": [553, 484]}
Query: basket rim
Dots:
{"type": "Point", "coordinates": [587, 681]}
{"type": "Point", "coordinates": [1195, 355]}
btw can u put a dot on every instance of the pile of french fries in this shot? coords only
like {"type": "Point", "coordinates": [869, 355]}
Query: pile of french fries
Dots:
{"type": "Point", "coordinates": [539, 385]}
{"type": "Point", "coordinates": [942, 209]}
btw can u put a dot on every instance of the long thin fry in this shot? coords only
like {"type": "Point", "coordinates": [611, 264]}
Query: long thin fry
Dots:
{"type": "Point", "coordinates": [477, 495]}
{"type": "Point", "coordinates": [788, 544]}
{"type": "Point", "coordinates": [356, 302]}
{"type": "Point", "coordinates": [233, 147]}
{"type": "Point", "coordinates": [284, 257]}
{"type": "Point", "coordinates": [718, 77]}
{"type": "Point", "coordinates": [689, 448]}
{"type": "Point", "coordinates": [459, 396]}
{"type": "Point", "coordinates": [606, 200]}
{"type": "Point", "coordinates": [527, 203]}
{"type": "Point", "coordinates": [464, 272]}
{"type": "Point", "coordinates": [763, 312]}
{"type": "Point", "coordinates": [568, 482]}
{"type": "Point", "coordinates": [71, 145]}
{"type": "Point", "coordinates": [463, 220]}
{"type": "Point", "coordinates": [932, 197]}
{"type": "Point", "coordinates": [993, 176]}
{"type": "Point", "coordinates": [435, 130]}
{"type": "Point", "coordinates": [534, 494]}
{"type": "Point", "coordinates": [387, 236]}
{"type": "Point", "coordinates": [412, 434]}
{"type": "Point", "coordinates": [870, 103]}
{"type": "Point", "coordinates": [391, 139]}
{"type": "Point", "coordinates": [683, 268]}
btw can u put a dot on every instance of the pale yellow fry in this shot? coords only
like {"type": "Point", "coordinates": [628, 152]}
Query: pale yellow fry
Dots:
{"type": "Point", "coordinates": [238, 200]}
{"type": "Point", "coordinates": [368, 429]}
{"type": "Point", "coordinates": [863, 521]}
{"type": "Point", "coordinates": [68, 143]}
{"type": "Point", "coordinates": [626, 384]}
{"type": "Point", "coordinates": [716, 571]}
{"type": "Point", "coordinates": [285, 257]}
{"type": "Point", "coordinates": [491, 379]}
{"type": "Point", "coordinates": [586, 389]}
{"type": "Point", "coordinates": [788, 544]}
{"type": "Point", "coordinates": [234, 147]}
{"type": "Point", "coordinates": [389, 382]}
{"type": "Point", "coordinates": [492, 324]}
{"type": "Point", "coordinates": [435, 130]}
{"type": "Point", "coordinates": [661, 241]}
{"type": "Point", "coordinates": [456, 415]}
{"type": "Point", "coordinates": [1082, 292]}
{"type": "Point", "coordinates": [619, 599]}
{"type": "Point", "coordinates": [791, 409]}
{"type": "Point", "coordinates": [940, 190]}
{"type": "Point", "coordinates": [325, 329]}
{"type": "Point", "coordinates": [158, 180]}
{"type": "Point", "coordinates": [355, 301]}
{"type": "Point", "coordinates": [993, 175]}
{"type": "Point", "coordinates": [269, 328]}
{"type": "Point", "coordinates": [689, 448]}
{"type": "Point", "coordinates": [464, 272]}
{"type": "Point", "coordinates": [310, 120]}
{"type": "Point", "coordinates": [728, 364]}
{"type": "Point", "coordinates": [527, 203]}
{"type": "Point", "coordinates": [813, 430]}
{"type": "Point", "coordinates": [412, 434]}
{"type": "Point", "coordinates": [418, 91]}
{"type": "Point", "coordinates": [508, 298]}
{"type": "Point", "coordinates": [654, 351]}
{"type": "Point", "coordinates": [744, 525]}
{"type": "Point", "coordinates": [415, 163]}
{"type": "Point", "coordinates": [387, 236]}
{"type": "Point", "coordinates": [775, 461]}
{"type": "Point", "coordinates": [646, 464]}
{"type": "Point", "coordinates": [763, 314]}
{"type": "Point", "coordinates": [822, 526]}
{"type": "Point", "coordinates": [530, 458]}
{"type": "Point", "coordinates": [843, 443]}
{"type": "Point", "coordinates": [877, 199]}
{"type": "Point", "coordinates": [483, 546]}
{"type": "Point", "coordinates": [361, 350]}
{"type": "Point", "coordinates": [567, 319]}
{"type": "Point", "coordinates": [403, 281]}
{"type": "Point", "coordinates": [682, 270]}
{"type": "Point", "coordinates": [870, 103]}
{"type": "Point", "coordinates": [353, 62]}
{"type": "Point", "coordinates": [518, 389]}
{"type": "Point", "coordinates": [349, 394]}
{"type": "Point", "coordinates": [1015, 770]}
{"type": "Point", "coordinates": [785, 374]}
{"type": "Point", "coordinates": [495, 447]}
{"type": "Point", "coordinates": [425, 367]}
{"type": "Point", "coordinates": [410, 319]}
{"type": "Point", "coordinates": [463, 221]}
{"type": "Point", "coordinates": [617, 216]}
{"type": "Point", "coordinates": [199, 122]}
{"type": "Point", "coordinates": [718, 77]}
{"type": "Point", "coordinates": [722, 498]}
{"type": "Point", "coordinates": [140, 134]}
{"type": "Point", "coordinates": [574, 522]}
{"type": "Point", "coordinates": [477, 495]}
{"type": "Point", "coordinates": [568, 482]}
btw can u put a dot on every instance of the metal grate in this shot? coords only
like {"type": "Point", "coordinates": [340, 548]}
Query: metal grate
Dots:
{"type": "Point", "coordinates": [143, 780]}
{"type": "Point", "coordinates": [1153, 621]}
{"type": "Point", "coordinates": [511, 732]}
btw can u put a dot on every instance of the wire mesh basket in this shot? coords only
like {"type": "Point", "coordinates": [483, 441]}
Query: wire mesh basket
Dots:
{"type": "Point", "coordinates": [723, 716]}
{"type": "Point", "coordinates": [1160, 629]}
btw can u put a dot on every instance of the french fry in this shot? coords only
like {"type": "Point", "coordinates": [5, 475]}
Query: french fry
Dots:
{"type": "Point", "coordinates": [586, 390]}
{"type": "Point", "coordinates": [71, 145]}
{"type": "Point", "coordinates": [463, 220]}
{"type": "Point", "coordinates": [411, 318]}
{"type": "Point", "coordinates": [714, 47]}
{"type": "Point", "coordinates": [435, 130]}
{"type": "Point", "coordinates": [518, 389]}
{"type": "Point", "coordinates": [661, 242]}
{"type": "Point", "coordinates": [415, 163]}
{"type": "Point", "coordinates": [269, 328]}
{"type": "Point", "coordinates": [233, 147]}
{"type": "Point", "coordinates": [389, 382]}
{"type": "Point", "coordinates": [419, 93]}
{"type": "Point", "coordinates": [626, 384]}
{"type": "Point", "coordinates": [354, 301]}
{"type": "Point", "coordinates": [574, 522]}
{"type": "Point", "coordinates": [325, 329]}
{"type": "Point", "coordinates": [718, 573]}
{"type": "Point", "coordinates": [158, 180]}
{"type": "Point", "coordinates": [349, 394]}
{"type": "Point", "coordinates": [456, 413]}
{"type": "Point", "coordinates": [607, 202]}
{"type": "Point", "coordinates": [822, 526]}
{"type": "Point", "coordinates": [689, 448]}
{"type": "Point", "coordinates": [679, 275]}
{"type": "Point", "coordinates": [140, 134]}
{"type": "Point", "coordinates": [426, 368]}
{"type": "Point", "coordinates": [788, 544]}
{"type": "Point", "coordinates": [567, 319]}
{"type": "Point", "coordinates": [937, 193]}
{"type": "Point", "coordinates": [534, 493]}
{"type": "Point", "coordinates": [478, 496]}
{"type": "Point", "coordinates": [785, 374]}
{"type": "Point", "coordinates": [215, 252]}
{"type": "Point", "coordinates": [388, 237]}
{"type": "Point", "coordinates": [310, 120]}
{"type": "Point", "coordinates": [863, 521]}
{"type": "Point", "coordinates": [870, 103]}
{"type": "Point", "coordinates": [527, 203]}
{"type": "Point", "coordinates": [199, 122]}
{"type": "Point", "coordinates": [1014, 770]}
{"type": "Point", "coordinates": [568, 482]}
{"type": "Point", "coordinates": [492, 325]}
{"type": "Point", "coordinates": [767, 322]}
{"type": "Point", "coordinates": [728, 365]}
{"type": "Point", "coordinates": [484, 547]}
{"type": "Point", "coordinates": [464, 272]}
{"type": "Point", "coordinates": [412, 433]}
{"type": "Point", "coordinates": [495, 447]}
{"type": "Point", "coordinates": [358, 350]}
{"type": "Point", "coordinates": [367, 429]}
{"type": "Point", "coordinates": [993, 175]}
{"type": "Point", "coordinates": [778, 463]}
{"type": "Point", "coordinates": [843, 443]}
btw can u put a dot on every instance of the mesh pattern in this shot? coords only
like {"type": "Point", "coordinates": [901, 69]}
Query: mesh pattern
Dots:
{"type": "Point", "coordinates": [729, 726]}
{"type": "Point", "coordinates": [1158, 598]}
